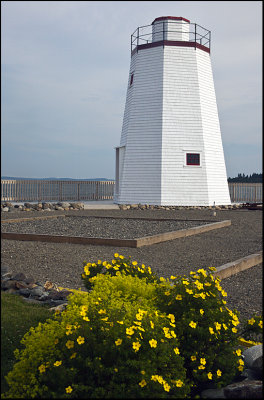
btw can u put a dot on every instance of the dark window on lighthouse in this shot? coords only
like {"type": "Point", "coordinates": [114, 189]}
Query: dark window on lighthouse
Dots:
{"type": "Point", "coordinates": [192, 159]}
{"type": "Point", "coordinates": [131, 79]}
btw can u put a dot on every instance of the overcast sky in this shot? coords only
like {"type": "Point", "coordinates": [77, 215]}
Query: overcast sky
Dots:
{"type": "Point", "coordinates": [64, 77]}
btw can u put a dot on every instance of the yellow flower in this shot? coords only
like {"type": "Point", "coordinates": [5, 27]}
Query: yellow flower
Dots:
{"type": "Point", "coordinates": [171, 317]}
{"type": "Point", "coordinates": [166, 387]}
{"type": "Point", "coordinates": [238, 352]}
{"type": "Point", "coordinates": [217, 326]}
{"type": "Point", "coordinates": [134, 263]}
{"type": "Point", "coordinates": [56, 341]}
{"type": "Point", "coordinates": [193, 358]}
{"type": "Point", "coordinates": [80, 340]}
{"type": "Point", "coordinates": [139, 316]}
{"type": "Point", "coordinates": [153, 343]}
{"type": "Point", "coordinates": [151, 324]}
{"type": "Point", "coordinates": [240, 368]}
{"type": "Point", "coordinates": [212, 268]}
{"type": "Point", "coordinates": [173, 277]}
{"type": "Point", "coordinates": [122, 257]}
{"type": "Point", "coordinates": [203, 361]}
{"type": "Point", "coordinates": [225, 327]}
{"type": "Point", "coordinates": [251, 321]}
{"type": "Point", "coordinates": [149, 270]}
{"type": "Point", "coordinates": [70, 344]}
{"type": "Point", "coordinates": [178, 297]}
{"type": "Point", "coordinates": [211, 330]}
{"type": "Point", "coordinates": [202, 295]}
{"type": "Point", "coordinates": [143, 372]}
{"type": "Point", "coordinates": [120, 322]}
{"type": "Point", "coordinates": [142, 383]}
{"type": "Point", "coordinates": [185, 282]}
{"type": "Point", "coordinates": [201, 367]}
{"type": "Point", "coordinates": [234, 330]}
{"type": "Point", "coordinates": [129, 331]}
{"type": "Point", "coordinates": [57, 363]}
{"type": "Point", "coordinates": [116, 369]}
{"type": "Point", "coordinates": [136, 346]}
{"type": "Point", "coordinates": [241, 362]}
{"type": "Point", "coordinates": [193, 324]}
{"type": "Point", "coordinates": [116, 255]}
{"type": "Point", "coordinates": [218, 372]}
{"type": "Point", "coordinates": [198, 284]}
{"type": "Point", "coordinates": [189, 291]}
{"type": "Point", "coordinates": [104, 319]}
{"type": "Point", "coordinates": [118, 342]}
{"type": "Point", "coordinates": [202, 271]}
{"type": "Point", "coordinates": [179, 383]}
{"type": "Point", "coordinates": [210, 375]}
{"type": "Point", "coordinates": [167, 293]}
{"type": "Point", "coordinates": [68, 389]}
{"type": "Point", "coordinates": [73, 355]}
{"type": "Point", "coordinates": [260, 324]}
{"type": "Point", "coordinates": [162, 279]}
{"type": "Point", "coordinates": [224, 293]}
{"type": "Point", "coordinates": [176, 350]}
{"type": "Point", "coordinates": [42, 368]}
{"type": "Point", "coordinates": [201, 311]}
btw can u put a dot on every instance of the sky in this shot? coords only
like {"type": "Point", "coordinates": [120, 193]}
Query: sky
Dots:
{"type": "Point", "coordinates": [64, 76]}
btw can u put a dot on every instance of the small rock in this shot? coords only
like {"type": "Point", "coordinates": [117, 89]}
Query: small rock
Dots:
{"type": "Point", "coordinates": [19, 276]}
{"type": "Point", "coordinates": [21, 285]}
{"type": "Point", "coordinates": [24, 292]}
{"type": "Point", "coordinates": [5, 209]}
{"type": "Point", "coordinates": [37, 291]}
{"type": "Point", "coordinates": [59, 308]}
{"type": "Point", "coordinates": [9, 284]}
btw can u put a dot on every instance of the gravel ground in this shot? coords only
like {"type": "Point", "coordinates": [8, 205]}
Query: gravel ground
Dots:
{"type": "Point", "coordinates": [93, 227]}
{"type": "Point", "coordinates": [62, 263]}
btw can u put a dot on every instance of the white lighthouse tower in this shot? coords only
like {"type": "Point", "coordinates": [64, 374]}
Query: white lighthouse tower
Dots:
{"type": "Point", "coordinates": [171, 149]}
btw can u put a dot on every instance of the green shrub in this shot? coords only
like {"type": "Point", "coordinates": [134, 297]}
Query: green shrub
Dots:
{"type": "Point", "coordinates": [107, 343]}
{"type": "Point", "coordinates": [206, 328]}
{"type": "Point", "coordinates": [119, 265]}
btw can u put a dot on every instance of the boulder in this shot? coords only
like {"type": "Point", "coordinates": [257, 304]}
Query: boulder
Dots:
{"type": "Point", "coordinates": [253, 358]}
{"type": "Point", "coordinates": [244, 390]}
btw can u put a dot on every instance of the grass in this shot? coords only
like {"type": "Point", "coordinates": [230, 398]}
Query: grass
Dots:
{"type": "Point", "coordinates": [17, 317]}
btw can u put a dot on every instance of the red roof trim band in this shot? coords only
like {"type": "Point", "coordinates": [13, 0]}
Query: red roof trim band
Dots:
{"type": "Point", "coordinates": [174, 18]}
{"type": "Point", "coordinates": [171, 43]}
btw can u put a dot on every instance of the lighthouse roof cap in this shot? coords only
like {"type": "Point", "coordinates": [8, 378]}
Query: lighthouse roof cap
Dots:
{"type": "Point", "coordinates": [174, 18]}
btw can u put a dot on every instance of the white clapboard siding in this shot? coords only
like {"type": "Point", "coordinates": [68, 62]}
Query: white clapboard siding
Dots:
{"type": "Point", "coordinates": [141, 133]}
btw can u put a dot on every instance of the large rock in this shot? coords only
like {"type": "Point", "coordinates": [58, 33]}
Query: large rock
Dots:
{"type": "Point", "coordinates": [244, 390]}
{"type": "Point", "coordinates": [253, 358]}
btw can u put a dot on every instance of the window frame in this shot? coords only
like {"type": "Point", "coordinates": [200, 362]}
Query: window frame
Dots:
{"type": "Point", "coordinates": [185, 152]}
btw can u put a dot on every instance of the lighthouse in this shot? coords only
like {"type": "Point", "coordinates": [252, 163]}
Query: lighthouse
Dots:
{"type": "Point", "coordinates": [171, 151]}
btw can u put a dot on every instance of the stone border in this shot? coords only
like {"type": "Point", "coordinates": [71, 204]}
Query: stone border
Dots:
{"type": "Point", "coordinates": [233, 267]}
{"type": "Point", "coordinates": [136, 242]}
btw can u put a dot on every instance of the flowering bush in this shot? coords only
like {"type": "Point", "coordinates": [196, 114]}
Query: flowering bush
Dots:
{"type": "Point", "coordinates": [109, 343]}
{"type": "Point", "coordinates": [206, 328]}
{"type": "Point", "coordinates": [135, 336]}
{"type": "Point", "coordinates": [119, 265]}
